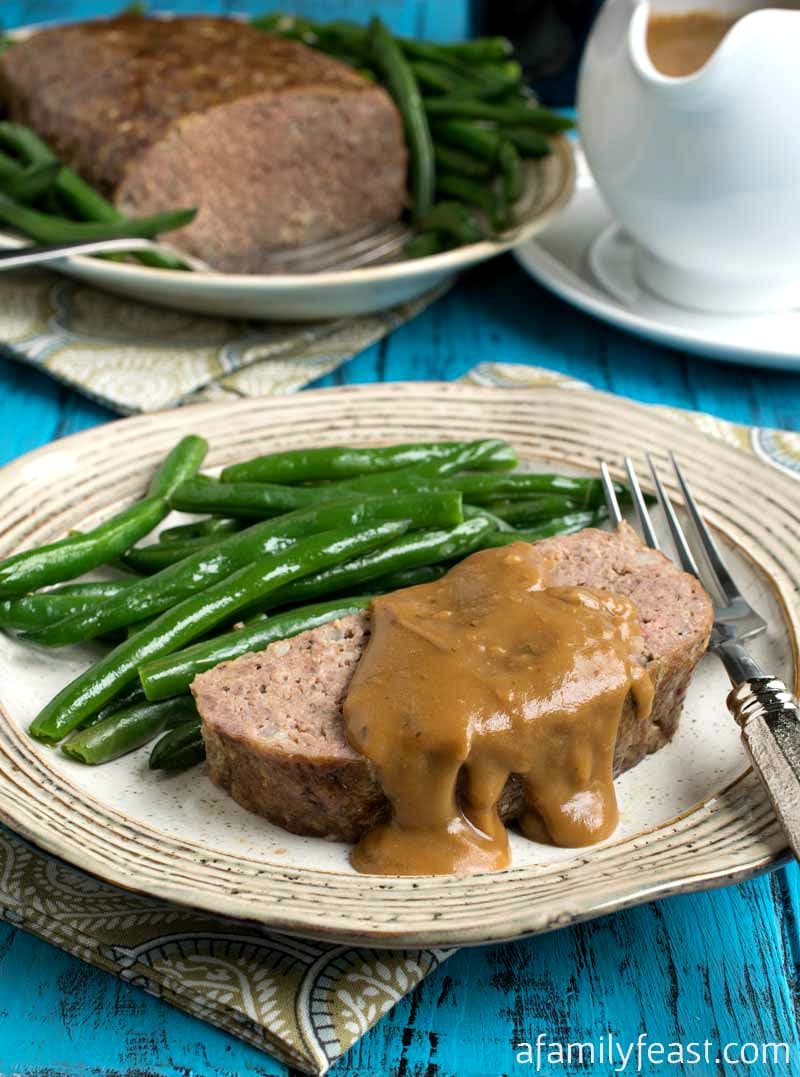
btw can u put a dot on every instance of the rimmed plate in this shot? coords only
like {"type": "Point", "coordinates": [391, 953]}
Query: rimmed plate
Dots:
{"type": "Point", "coordinates": [306, 297]}
{"type": "Point", "coordinates": [693, 815]}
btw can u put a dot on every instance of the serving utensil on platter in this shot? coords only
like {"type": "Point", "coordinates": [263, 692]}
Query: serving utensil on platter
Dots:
{"type": "Point", "coordinates": [362, 247]}
{"type": "Point", "coordinates": [767, 711]}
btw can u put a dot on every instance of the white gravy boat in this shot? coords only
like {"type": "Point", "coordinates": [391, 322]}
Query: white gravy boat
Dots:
{"type": "Point", "coordinates": [703, 171]}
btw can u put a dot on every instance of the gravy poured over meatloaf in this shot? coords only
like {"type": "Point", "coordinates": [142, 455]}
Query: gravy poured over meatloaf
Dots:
{"type": "Point", "coordinates": [276, 144]}
{"type": "Point", "coordinates": [489, 672]}
{"type": "Point", "coordinates": [273, 721]}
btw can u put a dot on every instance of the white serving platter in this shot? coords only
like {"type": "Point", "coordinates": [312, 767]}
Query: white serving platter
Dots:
{"type": "Point", "coordinates": [318, 296]}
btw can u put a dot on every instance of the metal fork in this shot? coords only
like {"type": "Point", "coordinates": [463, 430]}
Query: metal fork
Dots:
{"type": "Point", "coordinates": [361, 247]}
{"type": "Point", "coordinates": [768, 713]}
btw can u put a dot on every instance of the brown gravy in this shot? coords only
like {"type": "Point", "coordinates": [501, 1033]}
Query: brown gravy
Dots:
{"type": "Point", "coordinates": [680, 44]}
{"type": "Point", "coordinates": [485, 673]}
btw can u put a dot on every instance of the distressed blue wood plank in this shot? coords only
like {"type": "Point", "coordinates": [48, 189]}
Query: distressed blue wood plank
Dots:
{"type": "Point", "coordinates": [705, 966]}
{"type": "Point", "coordinates": [443, 20]}
{"type": "Point", "coordinates": [64, 1017]}
{"type": "Point", "coordinates": [34, 409]}
{"type": "Point", "coordinates": [497, 313]}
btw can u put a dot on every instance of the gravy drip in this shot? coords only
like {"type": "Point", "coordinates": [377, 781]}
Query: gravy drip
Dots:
{"type": "Point", "coordinates": [481, 674]}
{"type": "Point", "coordinates": [679, 45]}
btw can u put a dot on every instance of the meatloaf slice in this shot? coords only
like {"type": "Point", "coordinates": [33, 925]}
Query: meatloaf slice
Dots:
{"type": "Point", "coordinates": [275, 143]}
{"type": "Point", "coordinates": [273, 724]}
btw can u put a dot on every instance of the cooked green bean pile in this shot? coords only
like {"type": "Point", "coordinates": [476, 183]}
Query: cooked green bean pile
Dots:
{"type": "Point", "coordinates": [286, 542]}
{"type": "Point", "coordinates": [45, 200]}
{"type": "Point", "coordinates": [469, 122]}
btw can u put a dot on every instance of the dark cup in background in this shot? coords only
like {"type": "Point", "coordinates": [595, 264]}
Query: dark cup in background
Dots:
{"type": "Point", "coordinates": [548, 35]}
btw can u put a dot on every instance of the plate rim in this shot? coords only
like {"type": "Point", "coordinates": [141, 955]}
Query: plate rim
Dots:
{"type": "Point", "coordinates": [437, 395]}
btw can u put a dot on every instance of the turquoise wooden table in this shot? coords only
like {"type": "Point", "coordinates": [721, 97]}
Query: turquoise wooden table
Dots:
{"type": "Point", "coordinates": [719, 966]}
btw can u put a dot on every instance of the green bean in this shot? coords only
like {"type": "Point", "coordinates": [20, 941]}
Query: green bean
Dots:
{"type": "Point", "coordinates": [29, 183]}
{"type": "Point", "coordinates": [208, 566]}
{"type": "Point", "coordinates": [132, 693]}
{"type": "Point", "coordinates": [181, 463]}
{"type": "Point", "coordinates": [213, 525]}
{"type": "Point", "coordinates": [522, 115]}
{"type": "Point", "coordinates": [452, 219]}
{"type": "Point", "coordinates": [473, 511]}
{"type": "Point", "coordinates": [401, 83]}
{"type": "Point", "coordinates": [511, 169]}
{"type": "Point", "coordinates": [478, 488]}
{"type": "Point", "coordinates": [424, 245]}
{"type": "Point", "coordinates": [534, 510]}
{"type": "Point", "coordinates": [46, 228]}
{"type": "Point", "coordinates": [195, 616]}
{"type": "Point", "coordinates": [257, 500]}
{"type": "Point", "coordinates": [476, 51]}
{"type": "Point", "coordinates": [472, 137]}
{"type": "Point", "coordinates": [563, 525]}
{"type": "Point", "coordinates": [409, 577]}
{"type": "Point", "coordinates": [132, 629]}
{"type": "Point", "coordinates": [126, 730]}
{"type": "Point", "coordinates": [495, 80]}
{"type": "Point", "coordinates": [245, 500]}
{"type": "Point", "coordinates": [82, 199]}
{"type": "Point", "coordinates": [451, 160]}
{"type": "Point", "coordinates": [36, 611]}
{"type": "Point", "coordinates": [436, 77]}
{"type": "Point", "coordinates": [181, 748]}
{"type": "Point", "coordinates": [172, 674]}
{"type": "Point", "coordinates": [11, 171]}
{"type": "Point", "coordinates": [76, 554]}
{"type": "Point", "coordinates": [340, 462]}
{"type": "Point", "coordinates": [475, 194]}
{"type": "Point", "coordinates": [487, 454]}
{"type": "Point", "coordinates": [409, 551]}
{"type": "Point", "coordinates": [528, 142]}
{"type": "Point", "coordinates": [260, 500]}
{"type": "Point", "coordinates": [150, 559]}
{"type": "Point", "coordinates": [94, 589]}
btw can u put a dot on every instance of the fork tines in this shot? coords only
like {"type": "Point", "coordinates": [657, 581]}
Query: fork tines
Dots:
{"type": "Point", "coordinates": [733, 606]}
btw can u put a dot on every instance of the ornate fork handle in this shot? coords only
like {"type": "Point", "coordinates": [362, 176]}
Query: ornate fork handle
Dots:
{"type": "Point", "coordinates": [769, 715]}
{"type": "Point", "coordinates": [767, 698]}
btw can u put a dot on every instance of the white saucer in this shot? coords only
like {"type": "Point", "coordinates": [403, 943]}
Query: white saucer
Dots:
{"type": "Point", "coordinates": [586, 258]}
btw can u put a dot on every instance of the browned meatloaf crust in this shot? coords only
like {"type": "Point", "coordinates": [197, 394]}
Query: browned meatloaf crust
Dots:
{"type": "Point", "coordinates": [277, 144]}
{"type": "Point", "coordinates": [273, 722]}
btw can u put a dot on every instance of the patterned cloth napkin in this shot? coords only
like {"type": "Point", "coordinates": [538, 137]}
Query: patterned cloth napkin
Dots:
{"type": "Point", "coordinates": [306, 1003]}
{"type": "Point", "coordinates": [133, 357]}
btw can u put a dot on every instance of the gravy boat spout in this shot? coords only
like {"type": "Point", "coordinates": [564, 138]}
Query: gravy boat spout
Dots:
{"type": "Point", "coordinates": [702, 169]}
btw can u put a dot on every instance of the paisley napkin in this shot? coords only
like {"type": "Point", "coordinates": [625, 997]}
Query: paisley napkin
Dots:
{"type": "Point", "coordinates": [304, 1002]}
{"type": "Point", "coordinates": [133, 357]}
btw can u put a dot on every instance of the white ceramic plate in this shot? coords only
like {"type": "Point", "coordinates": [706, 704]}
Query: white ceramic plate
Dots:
{"type": "Point", "coordinates": [691, 814]}
{"type": "Point", "coordinates": [316, 296]}
{"type": "Point", "coordinates": [584, 257]}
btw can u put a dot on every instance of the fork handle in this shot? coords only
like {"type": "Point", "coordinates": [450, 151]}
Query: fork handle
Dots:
{"type": "Point", "coordinates": [769, 715]}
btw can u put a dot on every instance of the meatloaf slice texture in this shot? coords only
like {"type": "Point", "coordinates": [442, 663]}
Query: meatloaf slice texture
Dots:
{"type": "Point", "coordinates": [273, 724]}
{"type": "Point", "coordinates": [275, 143]}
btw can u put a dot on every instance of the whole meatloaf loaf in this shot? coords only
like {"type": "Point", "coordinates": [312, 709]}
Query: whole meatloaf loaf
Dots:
{"type": "Point", "coordinates": [276, 144]}
{"type": "Point", "coordinates": [273, 723]}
